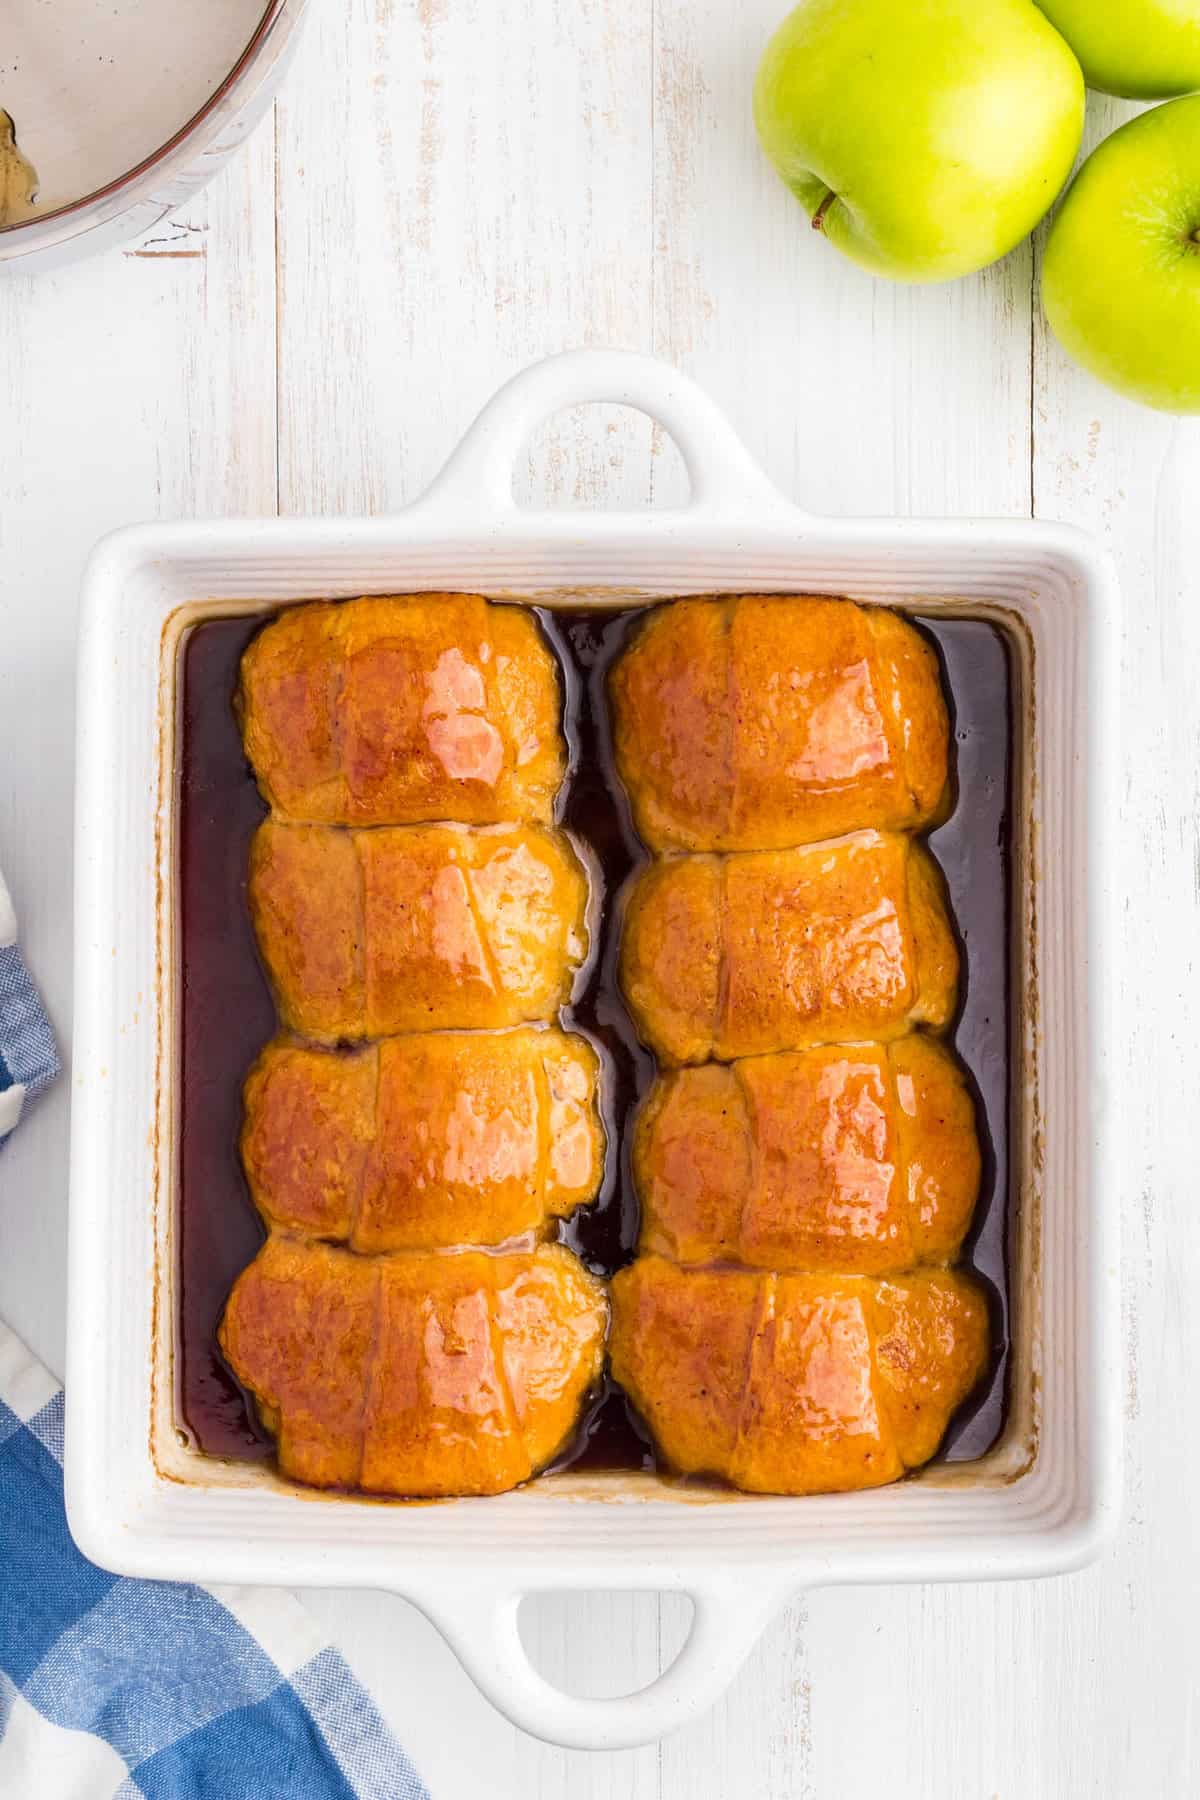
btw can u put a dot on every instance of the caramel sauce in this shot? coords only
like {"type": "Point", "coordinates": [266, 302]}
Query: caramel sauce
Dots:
{"type": "Point", "coordinates": [228, 1013]}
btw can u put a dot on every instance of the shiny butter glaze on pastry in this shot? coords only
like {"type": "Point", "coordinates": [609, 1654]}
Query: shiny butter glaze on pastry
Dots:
{"type": "Point", "coordinates": [402, 710]}
{"type": "Point", "coordinates": [741, 955]}
{"type": "Point", "coordinates": [424, 1142]}
{"type": "Point", "coordinates": [416, 928]}
{"type": "Point", "coordinates": [861, 1160]}
{"type": "Point", "coordinates": [415, 1376]}
{"type": "Point", "coordinates": [795, 1384]}
{"type": "Point", "coordinates": [761, 722]}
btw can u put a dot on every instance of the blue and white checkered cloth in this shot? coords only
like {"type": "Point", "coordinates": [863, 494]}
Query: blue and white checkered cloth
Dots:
{"type": "Point", "coordinates": [28, 1057]}
{"type": "Point", "coordinates": [113, 1689]}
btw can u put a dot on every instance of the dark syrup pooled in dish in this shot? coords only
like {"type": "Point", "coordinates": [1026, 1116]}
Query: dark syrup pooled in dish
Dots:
{"type": "Point", "coordinates": [228, 1014]}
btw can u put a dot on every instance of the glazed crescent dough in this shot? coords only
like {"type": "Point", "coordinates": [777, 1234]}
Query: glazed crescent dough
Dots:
{"type": "Point", "coordinates": [417, 927]}
{"type": "Point", "coordinates": [842, 942]}
{"type": "Point", "coordinates": [796, 1384]}
{"type": "Point", "coordinates": [402, 710]}
{"type": "Point", "coordinates": [860, 1159]}
{"type": "Point", "coordinates": [424, 1142]}
{"type": "Point", "coordinates": [415, 1375]}
{"type": "Point", "coordinates": [758, 722]}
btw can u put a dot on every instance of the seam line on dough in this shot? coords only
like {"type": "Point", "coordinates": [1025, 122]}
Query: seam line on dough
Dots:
{"type": "Point", "coordinates": [496, 710]}
{"type": "Point", "coordinates": [335, 688]}
{"type": "Point", "coordinates": [371, 1362]}
{"type": "Point", "coordinates": [542, 1082]}
{"type": "Point", "coordinates": [728, 606]}
{"type": "Point", "coordinates": [753, 1155]}
{"type": "Point", "coordinates": [359, 1197]}
{"type": "Point", "coordinates": [916, 983]}
{"type": "Point", "coordinates": [888, 1432]}
{"type": "Point", "coordinates": [485, 942]}
{"type": "Point", "coordinates": [717, 1033]}
{"type": "Point", "coordinates": [896, 743]}
{"type": "Point", "coordinates": [940, 913]}
{"type": "Point", "coordinates": [503, 1386]}
{"type": "Point", "coordinates": [763, 1315]}
{"type": "Point", "coordinates": [361, 956]}
{"type": "Point", "coordinates": [900, 1159]}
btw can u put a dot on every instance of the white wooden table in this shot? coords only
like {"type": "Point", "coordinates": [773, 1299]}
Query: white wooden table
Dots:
{"type": "Point", "coordinates": [445, 193]}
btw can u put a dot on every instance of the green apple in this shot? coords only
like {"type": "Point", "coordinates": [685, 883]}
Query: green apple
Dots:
{"type": "Point", "coordinates": [1144, 49]}
{"type": "Point", "coordinates": [923, 137]}
{"type": "Point", "coordinates": [1121, 275]}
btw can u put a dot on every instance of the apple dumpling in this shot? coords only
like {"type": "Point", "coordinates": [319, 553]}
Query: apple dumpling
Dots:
{"type": "Point", "coordinates": [416, 928]}
{"type": "Point", "coordinates": [761, 722]}
{"type": "Point", "coordinates": [424, 1142]}
{"type": "Point", "coordinates": [796, 1384]}
{"type": "Point", "coordinates": [840, 942]}
{"type": "Point", "coordinates": [415, 1375]}
{"type": "Point", "coordinates": [403, 710]}
{"type": "Point", "coordinates": [857, 1159]}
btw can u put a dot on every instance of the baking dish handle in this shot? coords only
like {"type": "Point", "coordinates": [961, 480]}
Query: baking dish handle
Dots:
{"type": "Point", "coordinates": [724, 477]}
{"type": "Point", "coordinates": [482, 1629]}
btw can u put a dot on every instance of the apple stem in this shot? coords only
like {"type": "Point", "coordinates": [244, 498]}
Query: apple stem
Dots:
{"type": "Point", "coordinates": [818, 218]}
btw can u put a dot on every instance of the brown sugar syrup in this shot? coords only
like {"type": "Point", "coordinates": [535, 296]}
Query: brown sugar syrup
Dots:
{"type": "Point", "coordinates": [228, 1013]}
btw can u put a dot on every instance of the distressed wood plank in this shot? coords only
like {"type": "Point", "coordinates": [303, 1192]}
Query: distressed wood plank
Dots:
{"type": "Point", "coordinates": [463, 190]}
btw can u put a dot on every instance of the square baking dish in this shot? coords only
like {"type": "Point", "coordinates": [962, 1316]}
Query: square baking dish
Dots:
{"type": "Point", "coordinates": [1044, 1499]}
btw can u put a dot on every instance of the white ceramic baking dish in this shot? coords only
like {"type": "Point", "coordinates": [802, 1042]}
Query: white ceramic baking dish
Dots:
{"type": "Point", "coordinates": [1043, 1500]}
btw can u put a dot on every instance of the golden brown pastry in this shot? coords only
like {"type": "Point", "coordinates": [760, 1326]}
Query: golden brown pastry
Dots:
{"type": "Point", "coordinates": [841, 942]}
{"type": "Point", "coordinates": [859, 1159]}
{"type": "Point", "coordinates": [401, 710]}
{"type": "Point", "coordinates": [795, 1384]}
{"type": "Point", "coordinates": [415, 1375]}
{"type": "Point", "coordinates": [416, 928]}
{"type": "Point", "coordinates": [763, 721]}
{"type": "Point", "coordinates": [424, 1142]}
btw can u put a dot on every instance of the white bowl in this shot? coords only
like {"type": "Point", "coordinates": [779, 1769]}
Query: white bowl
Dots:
{"type": "Point", "coordinates": [125, 109]}
{"type": "Point", "coordinates": [1042, 1500]}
